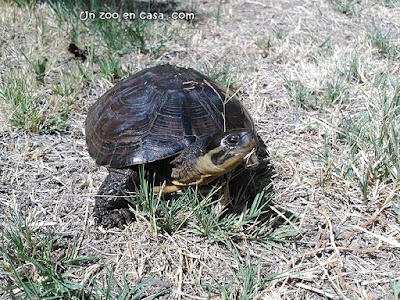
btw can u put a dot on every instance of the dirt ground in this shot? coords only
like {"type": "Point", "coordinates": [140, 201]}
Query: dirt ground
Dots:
{"type": "Point", "coordinates": [341, 248]}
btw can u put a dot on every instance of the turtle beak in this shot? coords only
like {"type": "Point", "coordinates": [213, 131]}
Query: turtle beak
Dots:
{"type": "Point", "coordinates": [250, 143]}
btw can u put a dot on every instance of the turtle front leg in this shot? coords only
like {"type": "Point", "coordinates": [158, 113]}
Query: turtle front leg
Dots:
{"type": "Point", "coordinates": [224, 195]}
{"type": "Point", "coordinates": [111, 207]}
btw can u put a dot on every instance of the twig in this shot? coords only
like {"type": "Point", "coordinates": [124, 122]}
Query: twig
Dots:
{"type": "Point", "coordinates": [387, 240]}
{"type": "Point", "coordinates": [347, 286]}
{"type": "Point", "coordinates": [332, 237]}
{"type": "Point", "coordinates": [375, 215]}
{"type": "Point", "coordinates": [318, 291]}
{"type": "Point", "coordinates": [372, 219]}
{"type": "Point", "coordinates": [285, 218]}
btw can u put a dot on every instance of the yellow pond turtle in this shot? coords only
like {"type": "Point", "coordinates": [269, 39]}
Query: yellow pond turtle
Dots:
{"type": "Point", "coordinates": [180, 124]}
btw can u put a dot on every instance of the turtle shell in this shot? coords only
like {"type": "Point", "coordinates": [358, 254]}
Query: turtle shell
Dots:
{"type": "Point", "coordinates": [158, 112]}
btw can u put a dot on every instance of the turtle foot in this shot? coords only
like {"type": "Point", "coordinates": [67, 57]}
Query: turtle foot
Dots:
{"type": "Point", "coordinates": [113, 218]}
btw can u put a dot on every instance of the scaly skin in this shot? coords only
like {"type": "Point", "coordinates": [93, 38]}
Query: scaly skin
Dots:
{"type": "Point", "coordinates": [111, 207]}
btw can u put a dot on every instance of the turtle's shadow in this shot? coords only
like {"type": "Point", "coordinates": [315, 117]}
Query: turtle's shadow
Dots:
{"type": "Point", "coordinates": [254, 188]}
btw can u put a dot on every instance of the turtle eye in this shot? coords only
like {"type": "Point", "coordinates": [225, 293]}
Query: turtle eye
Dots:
{"type": "Point", "coordinates": [232, 140]}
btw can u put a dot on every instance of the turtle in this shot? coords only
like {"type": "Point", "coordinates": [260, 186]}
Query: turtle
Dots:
{"type": "Point", "coordinates": [177, 122]}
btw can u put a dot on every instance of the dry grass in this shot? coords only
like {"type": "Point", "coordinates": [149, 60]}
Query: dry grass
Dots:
{"type": "Point", "coordinates": [346, 241]}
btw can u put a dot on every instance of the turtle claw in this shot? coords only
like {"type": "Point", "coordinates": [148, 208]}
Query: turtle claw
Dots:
{"type": "Point", "coordinates": [113, 218]}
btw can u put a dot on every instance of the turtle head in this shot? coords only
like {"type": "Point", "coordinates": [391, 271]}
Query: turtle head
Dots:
{"type": "Point", "coordinates": [228, 149]}
{"type": "Point", "coordinates": [212, 156]}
